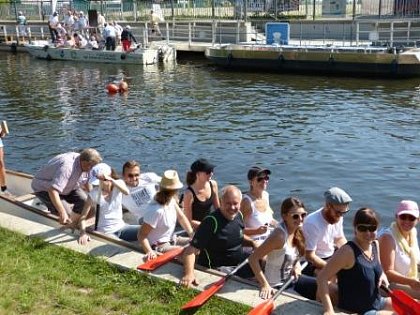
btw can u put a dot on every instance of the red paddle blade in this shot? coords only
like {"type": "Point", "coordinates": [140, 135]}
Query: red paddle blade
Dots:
{"type": "Point", "coordinates": [160, 260]}
{"type": "Point", "coordinates": [204, 296]}
{"type": "Point", "coordinates": [264, 308]}
{"type": "Point", "coordinates": [403, 304]}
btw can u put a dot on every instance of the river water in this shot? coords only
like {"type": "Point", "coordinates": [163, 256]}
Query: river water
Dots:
{"type": "Point", "coordinates": [313, 132]}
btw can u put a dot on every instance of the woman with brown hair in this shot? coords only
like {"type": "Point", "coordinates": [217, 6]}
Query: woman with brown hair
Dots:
{"type": "Point", "coordinates": [357, 267]}
{"type": "Point", "coordinates": [156, 235]}
{"type": "Point", "coordinates": [283, 248]}
{"type": "Point", "coordinates": [202, 192]}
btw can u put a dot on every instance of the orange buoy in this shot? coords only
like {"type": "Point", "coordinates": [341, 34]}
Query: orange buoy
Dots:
{"type": "Point", "coordinates": [112, 88]}
{"type": "Point", "coordinates": [123, 86]}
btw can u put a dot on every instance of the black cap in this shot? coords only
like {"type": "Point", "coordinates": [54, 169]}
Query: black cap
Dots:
{"type": "Point", "coordinates": [202, 165]}
{"type": "Point", "coordinates": [257, 171]}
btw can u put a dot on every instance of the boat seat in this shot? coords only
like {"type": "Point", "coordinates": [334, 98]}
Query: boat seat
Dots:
{"type": "Point", "coordinates": [24, 198]}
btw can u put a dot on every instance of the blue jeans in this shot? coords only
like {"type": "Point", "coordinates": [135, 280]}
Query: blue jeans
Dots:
{"type": "Point", "coordinates": [128, 233]}
{"type": "Point", "coordinates": [381, 307]}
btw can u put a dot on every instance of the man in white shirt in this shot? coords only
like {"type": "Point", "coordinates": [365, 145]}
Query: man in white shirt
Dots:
{"type": "Point", "coordinates": [143, 188]}
{"type": "Point", "coordinates": [52, 25]}
{"type": "Point", "coordinates": [323, 229]}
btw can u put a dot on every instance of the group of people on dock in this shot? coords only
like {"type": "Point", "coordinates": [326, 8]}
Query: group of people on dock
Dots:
{"type": "Point", "coordinates": [222, 232]}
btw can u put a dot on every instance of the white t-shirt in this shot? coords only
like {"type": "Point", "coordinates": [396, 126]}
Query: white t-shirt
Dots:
{"type": "Point", "coordinates": [53, 21]}
{"type": "Point", "coordinates": [142, 195]}
{"type": "Point", "coordinates": [163, 221]}
{"type": "Point", "coordinates": [110, 212]}
{"type": "Point", "coordinates": [320, 235]}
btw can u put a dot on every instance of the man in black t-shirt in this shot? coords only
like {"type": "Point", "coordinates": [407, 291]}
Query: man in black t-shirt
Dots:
{"type": "Point", "coordinates": [219, 239]}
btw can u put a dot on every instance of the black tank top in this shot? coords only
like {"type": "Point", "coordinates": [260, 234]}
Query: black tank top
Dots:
{"type": "Point", "coordinates": [358, 286]}
{"type": "Point", "coordinates": [200, 209]}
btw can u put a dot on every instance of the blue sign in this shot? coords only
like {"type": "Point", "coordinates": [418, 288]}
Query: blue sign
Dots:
{"type": "Point", "coordinates": [277, 33]}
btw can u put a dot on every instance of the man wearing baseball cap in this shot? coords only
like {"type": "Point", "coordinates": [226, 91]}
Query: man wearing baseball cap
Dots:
{"type": "Point", "coordinates": [323, 229]}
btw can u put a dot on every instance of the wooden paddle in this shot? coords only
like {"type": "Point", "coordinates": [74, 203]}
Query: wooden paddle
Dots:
{"type": "Point", "coordinates": [266, 307]}
{"type": "Point", "coordinates": [402, 303]}
{"type": "Point", "coordinates": [204, 296]}
{"type": "Point", "coordinates": [160, 260]}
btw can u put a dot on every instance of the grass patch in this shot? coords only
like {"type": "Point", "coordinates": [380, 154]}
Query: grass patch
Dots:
{"type": "Point", "coordinates": [39, 278]}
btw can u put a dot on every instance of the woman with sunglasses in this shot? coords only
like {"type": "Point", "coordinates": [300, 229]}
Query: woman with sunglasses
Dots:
{"type": "Point", "coordinates": [357, 267]}
{"type": "Point", "coordinates": [255, 205]}
{"type": "Point", "coordinates": [400, 250]}
{"type": "Point", "coordinates": [283, 248]}
{"type": "Point", "coordinates": [202, 192]}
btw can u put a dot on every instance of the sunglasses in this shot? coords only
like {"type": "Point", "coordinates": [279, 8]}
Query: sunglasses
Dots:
{"type": "Point", "coordinates": [366, 227]}
{"type": "Point", "coordinates": [407, 217]}
{"type": "Point", "coordinates": [133, 175]}
{"type": "Point", "coordinates": [340, 213]}
{"type": "Point", "coordinates": [297, 216]}
{"type": "Point", "coordinates": [209, 172]}
{"type": "Point", "coordinates": [260, 179]}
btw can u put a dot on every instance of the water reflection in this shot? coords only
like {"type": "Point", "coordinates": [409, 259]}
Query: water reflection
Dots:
{"type": "Point", "coordinates": [312, 132]}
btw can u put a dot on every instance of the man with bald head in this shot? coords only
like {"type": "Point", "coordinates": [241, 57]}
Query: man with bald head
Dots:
{"type": "Point", "coordinates": [219, 240]}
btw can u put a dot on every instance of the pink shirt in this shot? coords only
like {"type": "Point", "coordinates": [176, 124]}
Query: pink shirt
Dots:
{"type": "Point", "coordinates": [62, 173]}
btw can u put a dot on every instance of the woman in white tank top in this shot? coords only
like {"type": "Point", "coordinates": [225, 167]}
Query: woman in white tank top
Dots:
{"type": "Point", "coordinates": [283, 248]}
{"type": "Point", "coordinates": [255, 205]}
{"type": "Point", "coordinates": [399, 249]}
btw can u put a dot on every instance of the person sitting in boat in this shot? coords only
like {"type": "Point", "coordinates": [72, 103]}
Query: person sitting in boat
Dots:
{"type": "Point", "coordinates": [61, 31]}
{"type": "Point", "coordinates": [255, 205]}
{"type": "Point", "coordinates": [126, 38]}
{"type": "Point", "coordinates": [142, 187]}
{"type": "Point", "coordinates": [69, 41]}
{"type": "Point", "coordinates": [156, 235]}
{"type": "Point", "coordinates": [283, 249]}
{"type": "Point", "coordinates": [107, 194]}
{"type": "Point", "coordinates": [92, 43]}
{"type": "Point", "coordinates": [79, 41]}
{"type": "Point", "coordinates": [323, 229]}
{"type": "Point", "coordinates": [110, 35]}
{"type": "Point", "coordinates": [59, 180]}
{"type": "Point", "coordinates": [201, 194]}
{"type": "Point", "coordinates": [357, 268]}
{"type": "Point", "coordinates": [400, 255]}
{"type": "Point", "coordinates": [219, 240]}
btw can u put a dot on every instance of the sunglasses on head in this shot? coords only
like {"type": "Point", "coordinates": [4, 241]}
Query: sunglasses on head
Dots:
{"type": "Point", "coordinates": [407, 217]}
{"type": "Point", "coordinates": [133, 175]}
{"type": "Point", "coordinates": [366, 227]}
{"type": "Point", "coordinates": [260, 179]}
{"type": "Point", "coordinates": [297, 216]}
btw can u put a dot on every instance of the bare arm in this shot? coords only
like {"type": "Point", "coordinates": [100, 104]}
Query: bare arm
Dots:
{"type": "Point", "coordinates": [189, 261]}
{"type": "Point", "coordinates": [249, 242]}
{"type": "Point", "coordinates": [58, 204]}
{"type": "Point", "coordinates": [342, 259]}
{"type": "Point", "coordinates": [340, 241]}
{"type": "Point", "coordinates": [182, 219]}
{"type": "Point", "coordinates": [274, 241]}
{"type": "Point", "coordinates": [318, 262]}
{"type": "Point", "coordinates": [216, 201]}
{"type": "Point", "coordinates": [144, 231]}
{"type": "Point", "coordinates": [119, 184]}
{"type": "Point", "coordinates": [188, 201]}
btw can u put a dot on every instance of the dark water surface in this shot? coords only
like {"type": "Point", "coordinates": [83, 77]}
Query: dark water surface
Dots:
{"type": "Point", "coordinates": [312, 132]}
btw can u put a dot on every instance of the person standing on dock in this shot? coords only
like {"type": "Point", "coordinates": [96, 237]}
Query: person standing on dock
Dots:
{"type": "Point", "coordinates": [21, 21]}
{"type": "Point", "coordinates": [58, 180]}
{"type": "Point", "coordinates": [3, 186]}
{"type": "Point", "coordinates": [127, 37]}
{"type": "Point", "coordinates": [154, 22]}
{"type": "Point", "coordinates": [52, 25]}
{"type": "Point", "coordinates": [323, 230]}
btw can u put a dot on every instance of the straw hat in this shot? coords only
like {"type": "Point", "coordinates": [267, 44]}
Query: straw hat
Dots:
{"type": "Point", "coordinates": [170, 180]}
